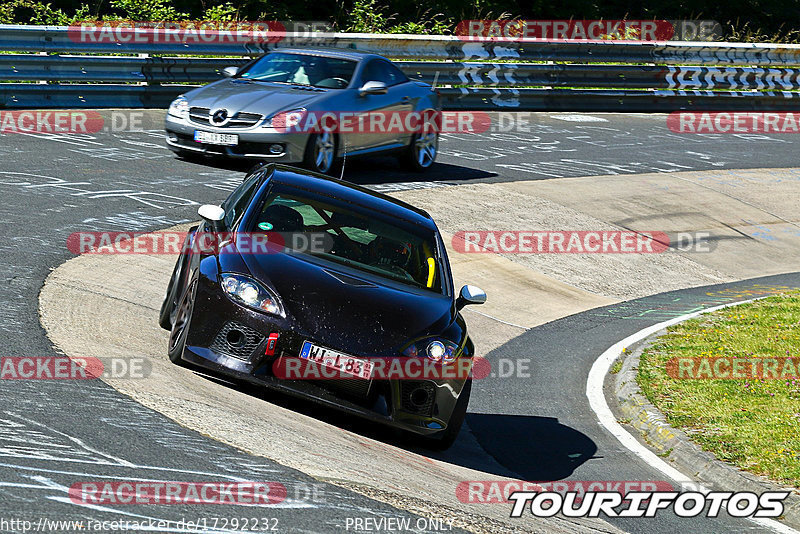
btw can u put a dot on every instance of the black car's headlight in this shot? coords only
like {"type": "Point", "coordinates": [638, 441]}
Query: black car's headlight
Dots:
{"type": "Point", "coordinates": [179, 108]}
{"type": "Point", "coordinates": [250, 293]}
{"type": "Point", "coordinates": [437, 349]}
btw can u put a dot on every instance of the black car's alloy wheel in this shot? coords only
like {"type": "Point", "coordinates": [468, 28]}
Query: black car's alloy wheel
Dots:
{"type": "Point", "coordinates": [166, 317]}
{"type": "Point", "coordinates": [180, 328]}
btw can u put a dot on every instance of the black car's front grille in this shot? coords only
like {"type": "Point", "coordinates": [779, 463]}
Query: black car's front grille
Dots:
{"type": "Point", "coordinates": [242, 119]}
{"type": "Point", "coordinates": [358, 388]}
{"type": "Point", "coordinates": [237, 341]}
{"type": "Point", "coordinates": [417, 397]}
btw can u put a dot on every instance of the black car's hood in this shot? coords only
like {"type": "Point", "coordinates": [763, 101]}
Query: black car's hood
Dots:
{"type": "Point", "coordinates": [350, 313]}
{"type": "Point", "coordinates": [252, 97]}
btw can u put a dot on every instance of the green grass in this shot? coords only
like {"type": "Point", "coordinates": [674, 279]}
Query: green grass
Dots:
{"type": "Point", "coordinates": [753, 424]}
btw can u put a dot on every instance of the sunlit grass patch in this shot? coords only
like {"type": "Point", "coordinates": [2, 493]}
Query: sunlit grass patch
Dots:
{"type": "Point", "coordinates": [751, 423]}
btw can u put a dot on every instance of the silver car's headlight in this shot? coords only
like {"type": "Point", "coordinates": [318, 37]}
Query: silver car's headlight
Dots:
{"type": "Point", "coordinates": [179, 108]}
{"type": "Point", "coordinates": [288, 121]}
{"type": "Point", "coordinates": [246, 291]}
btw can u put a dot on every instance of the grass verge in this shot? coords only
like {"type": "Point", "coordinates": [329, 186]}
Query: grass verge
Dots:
{"type": "Point", "coordinates": [753, 423]}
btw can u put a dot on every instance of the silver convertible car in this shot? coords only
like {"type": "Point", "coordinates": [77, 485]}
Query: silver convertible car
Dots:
{"type": "Point", "coordinates": [309, 107]}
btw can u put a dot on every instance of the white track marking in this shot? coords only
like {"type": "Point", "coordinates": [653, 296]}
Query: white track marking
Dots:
{"type": "Point", "coordinates": [597, 400]}
{"type": "Point", "coordinates": [578, 118]}
{"type": "Point", "coordinates": [75, 440]}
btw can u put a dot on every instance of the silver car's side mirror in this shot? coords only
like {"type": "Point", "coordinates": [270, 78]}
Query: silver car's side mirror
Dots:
{"type": "Point", "coordinates": [373, 88]}
{"type": "Point", "coordinates": [230, 72]}
{"type": "Point", "coordinates": [213, 215]}
{"type": "Point", "coordinates": [470, 295]}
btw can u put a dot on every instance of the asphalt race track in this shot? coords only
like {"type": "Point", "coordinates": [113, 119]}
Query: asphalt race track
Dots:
{"type": "Point", "coordinates": [508, 411]}
{"type": "Point", "coordinates": [53, 433]}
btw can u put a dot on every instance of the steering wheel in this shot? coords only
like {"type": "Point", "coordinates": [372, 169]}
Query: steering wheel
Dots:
{"type": "Point", "coordinates": [394, 269]}
{"type": "Point", "coordinates": [334, 83]}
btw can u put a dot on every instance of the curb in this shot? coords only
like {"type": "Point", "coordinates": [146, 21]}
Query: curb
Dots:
{"type": "Point", "coordinates": [676, 447]}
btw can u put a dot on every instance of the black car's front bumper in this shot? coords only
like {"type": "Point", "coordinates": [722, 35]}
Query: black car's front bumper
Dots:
{"type": "Point", "coordinates": [230, 339]}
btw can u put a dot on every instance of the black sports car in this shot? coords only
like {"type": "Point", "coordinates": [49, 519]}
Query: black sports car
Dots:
{"type": "Point", "coordinates": [296, 267]}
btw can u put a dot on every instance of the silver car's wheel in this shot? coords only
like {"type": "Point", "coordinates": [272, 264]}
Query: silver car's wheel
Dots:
{"type": "Point", "coordinates": [425, 148]}
{"type": "Point", "coordinates": [421, 152]}
{"type": "Point", "coordinates": [321, 152]}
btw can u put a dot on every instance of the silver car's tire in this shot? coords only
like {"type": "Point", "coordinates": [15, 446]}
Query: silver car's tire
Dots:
{"type": "Point", "coordinates": [421, 152]}
{"type": "Point", "coordinates": [320, 155]}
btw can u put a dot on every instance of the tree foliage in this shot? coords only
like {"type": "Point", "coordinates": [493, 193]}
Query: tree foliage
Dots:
{"type": "Point", "coordinates": [749, 20]}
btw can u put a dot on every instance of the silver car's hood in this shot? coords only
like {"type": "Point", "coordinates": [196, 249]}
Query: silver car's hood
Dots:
{"type": "Point", "coordinates": [252, 97]}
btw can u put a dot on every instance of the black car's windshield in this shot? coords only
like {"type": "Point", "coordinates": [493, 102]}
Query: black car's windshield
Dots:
{"type": "Point", "coordinates": [301, 69]}
{"type": "Point", "coordinates": [314, 226]}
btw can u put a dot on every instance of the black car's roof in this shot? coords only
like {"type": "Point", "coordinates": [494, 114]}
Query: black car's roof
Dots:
{"type": "Point", "coordinates": [351, 192]}
{"type": "Point", "coordinates": [341, 54]}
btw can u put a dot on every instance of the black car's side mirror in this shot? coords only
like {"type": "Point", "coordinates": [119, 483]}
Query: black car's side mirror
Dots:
{"type": "Point", "coordinates": [212, 215]}
{"type": "Point", "coordinates": [230, 72]}
{"type": "Point", "coordinates": [470, 295]}
{"type": "Point", "coordinates": [373, 88]}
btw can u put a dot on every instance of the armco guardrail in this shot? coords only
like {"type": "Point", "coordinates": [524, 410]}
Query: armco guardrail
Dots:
{"type": "Point", "coordinates": [532, 75]}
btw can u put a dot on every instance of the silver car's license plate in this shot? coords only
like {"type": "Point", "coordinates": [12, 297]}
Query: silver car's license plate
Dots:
{"type": "Point", "coordinates": [212, 138]}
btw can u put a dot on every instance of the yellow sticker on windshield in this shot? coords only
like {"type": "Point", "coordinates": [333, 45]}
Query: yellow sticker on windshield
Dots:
{"type": "Point", "coordinates": [431, 271]}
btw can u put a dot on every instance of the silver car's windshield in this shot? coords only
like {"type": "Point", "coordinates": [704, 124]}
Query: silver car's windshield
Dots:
{"type": "Point", "coordinates": [300, 69]}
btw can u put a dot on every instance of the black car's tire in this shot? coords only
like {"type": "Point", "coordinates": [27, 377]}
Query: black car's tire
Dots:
{"type": "Point", "coordinates": [320, 154]}
{"type": "Point", "coordinates": [180, 328]}
{"type": "Point", "coordinates": [167, 314]}
{"type": "Point", "coordinates": [421, 153]}
{"type": "Point", "coordinates": [444, 439]}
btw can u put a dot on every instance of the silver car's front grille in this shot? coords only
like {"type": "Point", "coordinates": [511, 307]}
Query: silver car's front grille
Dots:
{"type": "Point", "coordinates": [199, 115]}
{"type": "Point", "coordinates": [242, 119]}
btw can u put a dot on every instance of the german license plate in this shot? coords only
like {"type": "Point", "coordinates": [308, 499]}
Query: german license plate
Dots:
{"type": "Point", "coordinates": [211, 138]}
{"type": "Point", "coordinates": [345, 364]}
